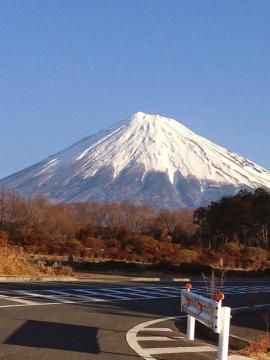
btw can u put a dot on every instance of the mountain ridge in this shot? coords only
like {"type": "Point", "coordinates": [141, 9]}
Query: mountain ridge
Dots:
{"type": "Point", "coordinates": [148, 159]}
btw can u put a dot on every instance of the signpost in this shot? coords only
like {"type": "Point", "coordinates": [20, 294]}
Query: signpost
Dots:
{"type": "Point", "coordinates": [210, 313]}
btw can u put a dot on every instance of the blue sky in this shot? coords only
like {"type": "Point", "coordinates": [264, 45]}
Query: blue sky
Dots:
{"type": "Point", "coordinates": [71, 67]}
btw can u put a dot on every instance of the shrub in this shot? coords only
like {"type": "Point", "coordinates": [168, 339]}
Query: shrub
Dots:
{"type": "Point", "coordinates": [232, 248]}
{"type": "Point", "coordinates": [186, 256]}
{"type": "Point", "coordinates": [254, 253]}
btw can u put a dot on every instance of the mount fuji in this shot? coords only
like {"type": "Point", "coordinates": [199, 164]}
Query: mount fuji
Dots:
{"type": "Point", "coordinates": [146, 159]}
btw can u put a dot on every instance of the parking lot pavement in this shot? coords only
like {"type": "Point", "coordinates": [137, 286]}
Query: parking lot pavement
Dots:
{"type": "Point", "coordinates": [90, 321]}
{"type": "Point", "coordinates": [43, 295]}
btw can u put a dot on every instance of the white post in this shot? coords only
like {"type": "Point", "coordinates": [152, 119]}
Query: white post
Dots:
{"type": "Point", "coordinates": [223, 340]}
{"type": "Point", "coordinates": [190, 327]}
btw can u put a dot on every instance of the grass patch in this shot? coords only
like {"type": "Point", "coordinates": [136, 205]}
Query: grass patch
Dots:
{"type": "Point", "coordinates": [15, 261]}
{"type": "Point", "coordinates": [259, 349]}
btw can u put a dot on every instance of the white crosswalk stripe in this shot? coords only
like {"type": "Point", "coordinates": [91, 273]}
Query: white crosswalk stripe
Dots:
{"type": "Point", "coordinates": [18, 300]}
{"type": "Point", "coordinates": [98, 294]}
{"type": "Point", "coordinates": [74, 296]}
{"type": "Point", "coordinates": [48, 297]}
{"type": "Point", "coordinates": [106, 294]}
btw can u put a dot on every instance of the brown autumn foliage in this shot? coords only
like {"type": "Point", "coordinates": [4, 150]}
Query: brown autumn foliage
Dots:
{"type": "Point", "coordinates": [117, 231]}
{"type": "Point", "coordinates": [259, 349]}
{"type": "Point", "coordinates": [109, 231]}
{"type": "Point", "coordinates": [15, 261]}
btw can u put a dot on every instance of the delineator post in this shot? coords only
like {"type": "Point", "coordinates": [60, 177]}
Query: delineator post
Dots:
{"type": "Point", "coordinates": [190, 327]}
{"type": "Point", "coordinates": [223, 340]}
{"type": "Point", "coordinates": [190, 319]}
{"type": "Point", "coordinates": [210, 313]}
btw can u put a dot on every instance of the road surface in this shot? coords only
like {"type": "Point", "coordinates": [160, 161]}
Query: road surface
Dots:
{"type": "Point", "coordinates": [86, 320]}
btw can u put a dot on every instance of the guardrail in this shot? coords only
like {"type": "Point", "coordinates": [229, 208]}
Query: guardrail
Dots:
{"type": "Point", "coordinates": [209, 312]}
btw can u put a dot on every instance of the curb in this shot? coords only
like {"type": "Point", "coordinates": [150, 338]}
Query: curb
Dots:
{"type": "Point", "coordinates": [35, 278]}
{"type": "Point", "coordinates": [157, 279]}
{"type": "Point", "coordinates": [238, 357]}
{"type": "Point", "coordinates": [235, 342]}
{"type": "Point", "coordinates": [249, 309]}
{"type": "Point", "coordinates": [238, 343]}
{"type": "Point", "coordinates": [134, 279]}
{"type": "Point", "coordinates": [11, 278]}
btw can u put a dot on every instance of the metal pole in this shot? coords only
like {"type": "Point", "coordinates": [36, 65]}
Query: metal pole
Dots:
{"type": "Point", "coordinates": [223, 340]}
{"type": "Point", "coordinates": [190, 327]}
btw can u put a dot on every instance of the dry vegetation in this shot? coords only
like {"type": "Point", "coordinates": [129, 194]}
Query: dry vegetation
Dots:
{"type": "Point", "coordinates": [232, 233]}
{"type": "Point", "coordinates": [259, 349]}
{"type": "Point", "coordinates": [15, 261]}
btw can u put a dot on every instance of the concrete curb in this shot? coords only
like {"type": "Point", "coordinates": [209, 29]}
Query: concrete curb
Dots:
{"type": "Point", "coordinates": [157, 279]}
{"type": "Point", "coordinates": [239, 357]}
{"type": "Point", "coordinates": [249, 309]}
{"type": "Point", "coordinates": [11, 278]}
{"type": "Point", "coordinates": [235, 342]}
{"type": "Point", "coordinates": [35, 278]}
{"type": "Point", "coordinates": [133, 279]}
{"type": "Point", "coordinates": [238, 343]}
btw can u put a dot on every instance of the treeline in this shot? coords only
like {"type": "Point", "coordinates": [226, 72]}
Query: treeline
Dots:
{"type": "Point", "coordinates": [232, 232]}
{"type": "Point", "coordinates": [113, 231]}
{"type": "Point", "coordinates": [243, 219]}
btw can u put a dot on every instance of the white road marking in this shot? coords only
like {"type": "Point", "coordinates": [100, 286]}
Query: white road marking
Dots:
{"type": "Point", "coordinates": [76, 296]}
{"type": "Point", "coordinates": [171, 289]}
{"type": "Point", "coordinates": [154, 338]}
{"type": "Point", "coordinates": [71, 298]}
{"type": "Point", "coordinates": [92, 292]}
{"type": "Point", "coordinates": [35, 304]}
{"type": "Point", "coordinates": [119, 294]}
{"type": "Point", "coordinates": [17, 299]}
{"type": "Point", "coordinates": [155, 293]}
{"type": "Point", "coordinates": [163, 291]}
{"type": "Point", "coordinates": [135, 292]}
{"type": "Point", "coordinates": [158, 329]}
{"type": "Point", "coordinates": [55, 298]}
{"type": "Point", "coordinates": [131, 336]}
{"type": "Point", "coordinates": [96, 294]}
{"type": "Point", "coordinates": [148, 353]}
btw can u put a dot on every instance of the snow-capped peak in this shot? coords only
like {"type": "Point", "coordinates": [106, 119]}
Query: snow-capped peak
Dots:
{"type": "Point", "coordinates": [141, 145]}
{"type": "Point", "coordinates": [160, 144]}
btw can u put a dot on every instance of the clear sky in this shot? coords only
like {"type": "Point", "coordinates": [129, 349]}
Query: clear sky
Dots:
{"type": "Point", "coordinates": [71, 67]}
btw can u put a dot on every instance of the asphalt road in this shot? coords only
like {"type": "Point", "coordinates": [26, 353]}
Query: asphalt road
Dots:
{"type": "Point", "coordinates": [91, 320]}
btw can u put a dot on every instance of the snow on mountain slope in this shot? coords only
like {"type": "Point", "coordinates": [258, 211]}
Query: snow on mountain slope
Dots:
{"type": "Point", "coordinates": [148, 158]}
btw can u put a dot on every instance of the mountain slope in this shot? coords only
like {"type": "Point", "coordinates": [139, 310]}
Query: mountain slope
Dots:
{"type": "Point", "coordinates": [148, 158]}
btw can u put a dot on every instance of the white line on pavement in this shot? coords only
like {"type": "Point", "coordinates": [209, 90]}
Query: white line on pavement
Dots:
{"type": "Point", "coordinates": [131, 336]}
{"type": "Point", "coordinates": [154, 338]}
{"type": "Point", "coordinates": [137, 293]}
{"type": "Point", "coordinates": [76, 296]}
{"type": "Point", "coordinates": [17, 299]}
{"type": "Point", "coordinates": [157, 329]}
{"type": "Point", "coordinates": [91, 292]}
{"type": "Point", "coordinates": [54, 298]}
{"type": "Point", "coordinates": [147, 353]}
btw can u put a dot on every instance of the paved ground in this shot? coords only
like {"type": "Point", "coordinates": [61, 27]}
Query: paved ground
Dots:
{"type": "Point", "coordinates": [14, 295]}
{"type": "Point", "coordinates": [91, 320]}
